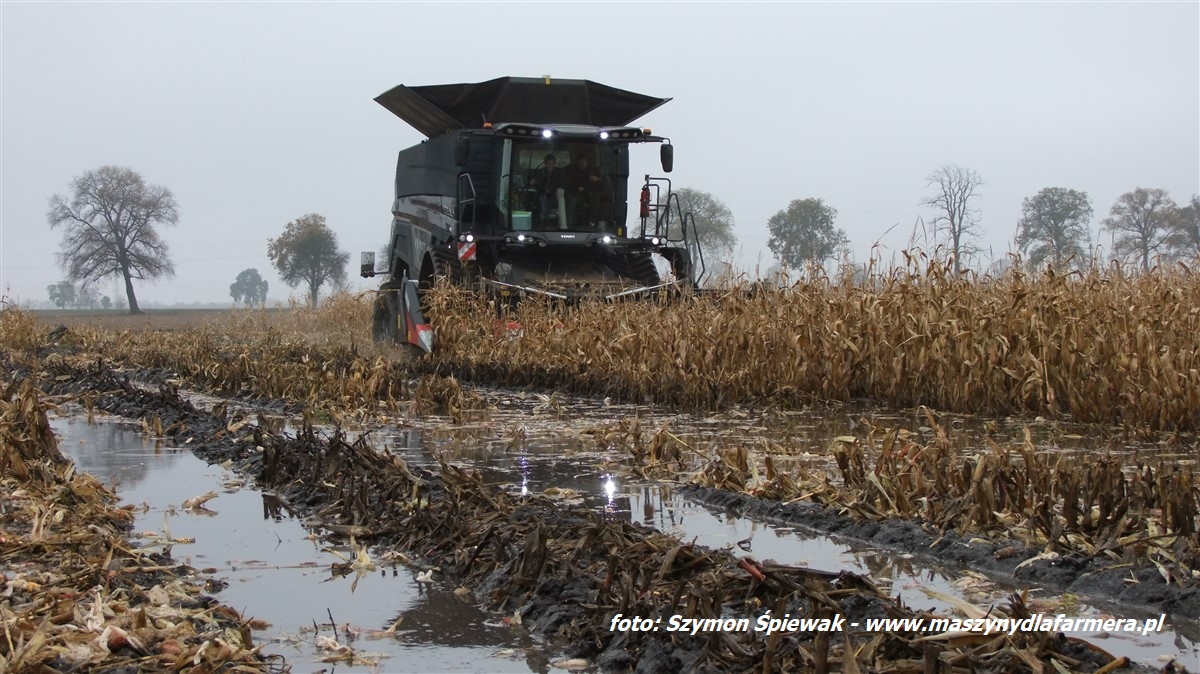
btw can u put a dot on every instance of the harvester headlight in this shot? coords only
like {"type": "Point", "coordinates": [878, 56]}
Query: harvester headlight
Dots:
{"type": "Point", "coordinates": [521, 237]}
{"type": "Point", "coordinates": [546, 133]}
{"type": "Point", "coordinates": [470, 238]}
{"type": "Point", "coordinates": [603, 135]}
{"type": "Point", "coordinates": [653, 241]}
{"type": "Point", "coordinates": [606, 239]}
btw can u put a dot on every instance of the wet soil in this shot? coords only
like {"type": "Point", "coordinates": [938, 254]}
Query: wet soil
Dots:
{"type": "Point", "coordinates": [261, 558]}
{"type": "Point", "coordinates": [528, 557]}
{"type": "Point", "coordinates": [1005, 558]}
{"type": "Point", "coordinates": [76, 596]}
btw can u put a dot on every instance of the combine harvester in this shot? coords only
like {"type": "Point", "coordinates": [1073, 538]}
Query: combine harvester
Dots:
{"type": "Point", "coordinates": [522, 188]}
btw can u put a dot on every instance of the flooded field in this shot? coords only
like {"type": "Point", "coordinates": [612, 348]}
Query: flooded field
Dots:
{"type": "Point", "coordinates": [599, 483]}
{"type": "Point", "coordinates": [276, 569]}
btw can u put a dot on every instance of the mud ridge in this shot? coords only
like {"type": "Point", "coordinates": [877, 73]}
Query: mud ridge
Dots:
{"type": "Point", "coordinates": [1076, 573]}
{"type": "Point", "coordinates": [566, 571]}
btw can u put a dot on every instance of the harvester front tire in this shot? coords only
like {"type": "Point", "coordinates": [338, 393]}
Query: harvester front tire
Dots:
{"type": "Point", "coordinates": [383, 318]}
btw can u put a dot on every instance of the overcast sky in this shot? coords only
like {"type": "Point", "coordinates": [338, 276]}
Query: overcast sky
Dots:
{"type": "Point", "coordinates": [254, 114]}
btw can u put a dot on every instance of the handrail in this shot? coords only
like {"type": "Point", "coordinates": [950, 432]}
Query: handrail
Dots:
{"type": "Point", "coordinates": [470, 200]}
{"type": "Point", "coordinates": [672, 195]}
{"type": "Point", "coordinates": [661, 213]}
{"type": "Point", "coordinates": [689, 221]}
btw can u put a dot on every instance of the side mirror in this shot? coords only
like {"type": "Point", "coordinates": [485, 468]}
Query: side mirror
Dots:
{"type": "Point", "coordinates": [667, 155]}
{"type": "Point", "coordinates": [367, 267]}
{"type": "Point", "coordinates": [462, 150]}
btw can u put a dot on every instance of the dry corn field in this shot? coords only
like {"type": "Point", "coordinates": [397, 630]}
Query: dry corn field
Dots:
{"type": "Point", "coordinates": [1098, 347]}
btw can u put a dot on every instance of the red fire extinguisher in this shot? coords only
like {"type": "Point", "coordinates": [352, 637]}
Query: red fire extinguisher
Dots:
{"type": "Point", "coordinates": [645, 201]}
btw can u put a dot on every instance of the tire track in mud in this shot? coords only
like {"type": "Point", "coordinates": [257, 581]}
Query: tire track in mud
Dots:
{"type": "Point", "coordinates": [1010, 560]}
{"type": "Point", "coordinates": [567, 570]}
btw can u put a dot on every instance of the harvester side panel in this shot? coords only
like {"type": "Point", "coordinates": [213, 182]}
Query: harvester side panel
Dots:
{"type": "Point", "coordinates": [419, 223]}
{"type": "Point", "coordinates": [427, 168]}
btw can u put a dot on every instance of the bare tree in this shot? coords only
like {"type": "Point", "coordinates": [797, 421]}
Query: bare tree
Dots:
{"type": "Point", "coordinates": [1184, 238]}
{"type": "Point", "coordinates": [957, 218]}
{"type": "Point", "coordinates": [1054, 226]}
{"type": "Point", "coordinates": [110, 228]}
{"type": "Point", "coordinates": [1140, 224]}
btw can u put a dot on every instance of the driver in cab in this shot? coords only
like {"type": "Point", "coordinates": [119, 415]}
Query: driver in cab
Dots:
{"type": "Point", "coordinates": [550, 184]}
{"type": "Point", "coordinates": [583, 185]}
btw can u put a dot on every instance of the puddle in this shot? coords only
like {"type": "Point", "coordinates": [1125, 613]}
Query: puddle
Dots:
{"type": "Point", "coordinates": [549, 457]}
{"type": "Point", "coordinates": [526, 443]}
{"type": "Point", "coordinates": [278, 573]}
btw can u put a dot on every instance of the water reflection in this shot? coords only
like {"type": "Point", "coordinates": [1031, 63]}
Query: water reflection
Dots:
{"type": "Point", "coordinates": [438, 616]}
{"type": "Point", "coordinates": [275, 571]}
{"type": "Point", "coordinates": [115, 454]}
{"type": "Point", "coordinates": [274, 508]}
{"type": "Point", "coordinates": [534, 455]}
{"type": "Point", "coordinates": [527, 452]}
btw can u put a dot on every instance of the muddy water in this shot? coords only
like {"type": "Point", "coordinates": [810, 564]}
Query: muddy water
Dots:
{"type": "Point", "coordinates": [533, 444]}
{"type": "Point", "coordinates": [277, 571]}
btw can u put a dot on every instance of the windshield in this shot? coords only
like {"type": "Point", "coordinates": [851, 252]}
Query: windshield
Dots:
{"type": "Point", "coordinates": [564, 186]}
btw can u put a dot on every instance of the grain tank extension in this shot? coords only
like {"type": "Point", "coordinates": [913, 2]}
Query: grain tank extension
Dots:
{"type": "Point", "coordinates": [522, 187]}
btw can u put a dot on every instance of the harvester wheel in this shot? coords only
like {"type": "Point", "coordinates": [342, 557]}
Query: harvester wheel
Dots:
{"type": "Point", "coordinates": [383, 317]}
{"type": "Point", "coordinates": [440, 265]}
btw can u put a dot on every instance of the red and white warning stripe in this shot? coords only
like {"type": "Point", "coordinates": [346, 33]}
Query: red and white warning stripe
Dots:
{"type": "Point", "coordinates": [466, 251]}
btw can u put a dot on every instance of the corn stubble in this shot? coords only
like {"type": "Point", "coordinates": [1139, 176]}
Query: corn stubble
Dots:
{"type": "Point", "coordinates": [74, 596]}
{"type": "Point", "coordinates": [1108, 506]}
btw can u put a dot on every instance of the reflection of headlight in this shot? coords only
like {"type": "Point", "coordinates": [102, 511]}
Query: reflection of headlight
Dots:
{"type": "Point", "coordinates": [525, 487]}
{"type": "Point", "coordinates": [610, 489]}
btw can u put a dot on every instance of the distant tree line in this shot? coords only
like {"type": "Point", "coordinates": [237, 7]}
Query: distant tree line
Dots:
{"type": "Point", "coordinates": [111, 219]}
{"type": "Point", "coordinates": [66, 295]}
{"type": "Point", "coordinates": [1054, 229]}
{"type": "Point", "coordinates": [110, 222]}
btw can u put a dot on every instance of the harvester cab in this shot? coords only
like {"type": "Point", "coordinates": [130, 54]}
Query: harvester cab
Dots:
{"type": "Point", "coordinates": [522, 187]}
